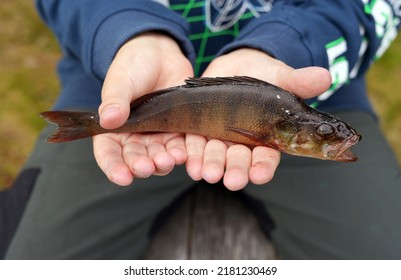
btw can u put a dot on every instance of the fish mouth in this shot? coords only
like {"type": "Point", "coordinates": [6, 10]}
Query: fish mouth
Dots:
{"type": "Point", "coordinates": [342, 151]}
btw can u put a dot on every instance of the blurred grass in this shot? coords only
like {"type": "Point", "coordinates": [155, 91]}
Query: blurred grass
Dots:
{"type": "Point", "coordinates": [29, 85]}
{"type": "Point", "coordinates": [384, 89]}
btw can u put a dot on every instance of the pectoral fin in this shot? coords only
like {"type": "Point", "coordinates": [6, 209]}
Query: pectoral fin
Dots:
{"type": "Point", "coordinates": [254, 138]}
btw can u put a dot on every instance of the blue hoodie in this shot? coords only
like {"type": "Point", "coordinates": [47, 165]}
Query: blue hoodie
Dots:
{"type": "Point", "coordinates": [344, 36]}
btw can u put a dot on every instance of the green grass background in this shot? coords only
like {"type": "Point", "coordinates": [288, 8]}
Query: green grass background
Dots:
{"type": "Point", "coordinates": [29, 85]}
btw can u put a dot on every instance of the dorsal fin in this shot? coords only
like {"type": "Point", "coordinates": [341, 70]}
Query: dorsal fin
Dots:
{"type": "Point", "coordinates": [207, 81]}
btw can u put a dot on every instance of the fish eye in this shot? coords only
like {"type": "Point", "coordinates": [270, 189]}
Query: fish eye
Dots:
{"type": "Point", "coordinates": [325, 130]}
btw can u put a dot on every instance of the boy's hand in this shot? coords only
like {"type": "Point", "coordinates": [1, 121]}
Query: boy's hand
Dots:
{"type": "Point", "coordinates": [214, 159]}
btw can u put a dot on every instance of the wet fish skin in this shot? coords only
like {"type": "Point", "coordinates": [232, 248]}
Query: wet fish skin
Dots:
{"type": "Point", "coordinates": [238, 109]}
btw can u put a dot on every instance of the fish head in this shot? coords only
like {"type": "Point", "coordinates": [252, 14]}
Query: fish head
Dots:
{"type": "Point", "coordinates": [318, 135]}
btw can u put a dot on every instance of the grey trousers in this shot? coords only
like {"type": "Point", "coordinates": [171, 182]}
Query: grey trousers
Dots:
{"type": "Point", "coordinates": [321, 209]}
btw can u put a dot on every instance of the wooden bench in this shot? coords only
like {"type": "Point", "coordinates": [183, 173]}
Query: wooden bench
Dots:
{"type": "Point", "coordinates": [210, 223]}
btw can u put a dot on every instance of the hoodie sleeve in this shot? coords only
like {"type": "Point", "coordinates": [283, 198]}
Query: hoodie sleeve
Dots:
{"type": "Point", "coordinates": [344, 36]}
{"type": "Point", "coordinates": [93, 31]}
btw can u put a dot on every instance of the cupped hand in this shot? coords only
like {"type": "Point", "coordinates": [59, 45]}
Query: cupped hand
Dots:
{"type": "Point", "coordinates": [213, 160]}
{"type": "Point", "coordinates": [148, 62]}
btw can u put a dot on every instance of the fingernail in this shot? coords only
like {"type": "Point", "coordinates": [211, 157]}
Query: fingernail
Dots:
{"type": "Point", "coordinates": [140, 175]}
{"type": "Point", "coordinates": [110, 110]}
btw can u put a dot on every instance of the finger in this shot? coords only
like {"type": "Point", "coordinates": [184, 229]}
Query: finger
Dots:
{"type": "Point", "coordinates": [238, 162]}
{"type": "Point", "coordinates": [108, 155]}
{"type": "Point", "coordinates": [125, 81]}
{"type": "Point", "coordinates": [135, 156]}
{"type": "Point", "coordinates": [214, 158]}
{"type": "Point", "coordinates": [195, 146]}
{"type": "Point", "coordinates": [164, 162]}
{"type": "Point", "coordinates": [176, 148]}
{"type": "Point", "coordinates": [305, 82]}
{"type": "Point", "coordinates": [116, 97]}
{"type": "Point", "coordinates": [264, 163]}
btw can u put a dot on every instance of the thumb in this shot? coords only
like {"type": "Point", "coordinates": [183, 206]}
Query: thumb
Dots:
{"type": "Point", "coordinates": [148, 62]}
{"type": "Point", "coordinates": [125, 81]}
{"type": "Point", "coordinates": [116, 99]}
{"type": "Point", "coordinates": [305, 82]}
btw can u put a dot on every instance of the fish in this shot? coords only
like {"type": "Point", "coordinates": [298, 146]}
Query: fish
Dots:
{"type": "Point", "coordinates": [239, 109]}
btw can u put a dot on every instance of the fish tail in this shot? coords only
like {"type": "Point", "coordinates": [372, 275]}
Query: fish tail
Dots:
{"type": "Point", "coordinates": [72, 125]}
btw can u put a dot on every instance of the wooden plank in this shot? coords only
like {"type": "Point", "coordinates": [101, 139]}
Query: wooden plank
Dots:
{"type": "Point", "coordinates": [210, 223]}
